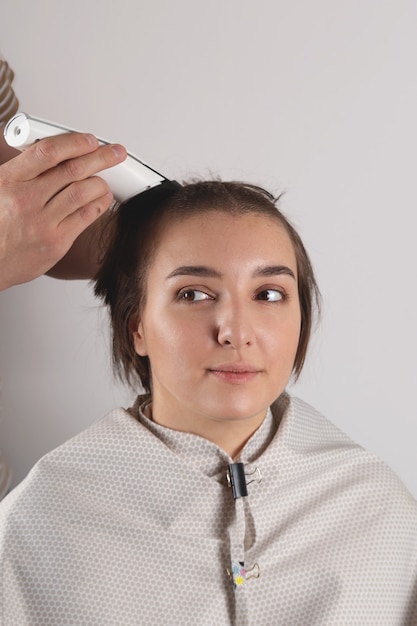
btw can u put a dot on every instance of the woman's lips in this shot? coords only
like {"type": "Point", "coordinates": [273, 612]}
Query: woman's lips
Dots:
{"type": "Point", "coordinates": [235, 373]}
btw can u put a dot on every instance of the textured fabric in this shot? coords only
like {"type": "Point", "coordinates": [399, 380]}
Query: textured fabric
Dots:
{"type": "Point", "coordinates": [8, 101]}
{"type": "Point", "coordinates": [130, 523]}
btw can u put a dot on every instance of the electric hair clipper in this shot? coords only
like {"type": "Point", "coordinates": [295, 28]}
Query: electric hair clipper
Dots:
{"type": "Point", "coordinates": [125, 179]}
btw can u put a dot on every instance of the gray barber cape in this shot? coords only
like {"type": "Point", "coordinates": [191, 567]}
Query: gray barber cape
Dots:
{"type": "Point", "coordinates": [131, 523]}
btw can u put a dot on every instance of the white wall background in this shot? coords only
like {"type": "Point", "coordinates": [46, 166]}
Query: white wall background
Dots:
{"type": "Point", "coordinates": [318, 98]}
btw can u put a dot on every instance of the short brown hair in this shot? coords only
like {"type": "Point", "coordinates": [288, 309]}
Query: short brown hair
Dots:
{"type": "Point", "coordinates": [121, 280]}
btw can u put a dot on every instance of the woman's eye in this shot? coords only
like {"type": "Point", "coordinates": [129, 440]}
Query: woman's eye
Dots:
{"type": "Point", "coordinates": [193, 295]}
{"type": "Point", "coordinates": [270, 295]}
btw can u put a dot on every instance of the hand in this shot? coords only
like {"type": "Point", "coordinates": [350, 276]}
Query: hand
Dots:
{"type": "Point", "coordinates": [49, 194]}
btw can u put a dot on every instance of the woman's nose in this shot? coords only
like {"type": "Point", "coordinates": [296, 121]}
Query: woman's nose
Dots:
{"type": "Point", "coordinates": [234, 327]}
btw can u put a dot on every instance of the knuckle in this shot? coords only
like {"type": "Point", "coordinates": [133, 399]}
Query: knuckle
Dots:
{"type": "Point", "coordinates": [16, 198]}
{"type": "Point", "coordinates": [76, 194]}
{"type": "Point", "coordinates": [92, 210]}
{"type": "Point", "coordinates": [46, 151]}
{"type": "Point", "coordinates": [73, 169]}
{"type": "Point", "coordinates": [89, 212]}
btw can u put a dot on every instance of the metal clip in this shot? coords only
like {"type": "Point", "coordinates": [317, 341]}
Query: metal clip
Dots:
{"type": "Point", "coordinates": [236, 479]}
{"type": "Point", "coordinates": [254, 572]}
{"type": "Point", "coordinates": [257, 478]}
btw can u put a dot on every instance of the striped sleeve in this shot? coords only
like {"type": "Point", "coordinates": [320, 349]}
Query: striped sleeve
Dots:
{"type": "Point", "coordinates": [9, 103]}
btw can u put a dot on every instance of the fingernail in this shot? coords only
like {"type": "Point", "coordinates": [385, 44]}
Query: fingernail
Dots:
{"type": "Point", "coordinates": [92, 140]}
{"type": "Point", "coordinates": [119, 151]}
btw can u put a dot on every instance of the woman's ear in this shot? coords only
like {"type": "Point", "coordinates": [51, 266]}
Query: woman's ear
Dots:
{"type": "Point", "coordinates": [138, 336]}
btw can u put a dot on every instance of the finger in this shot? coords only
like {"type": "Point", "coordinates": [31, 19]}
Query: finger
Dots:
{"type": "Point", "coordinates": [77, 224]}
{"type": "Point", "coordinates": [49, 152]}
{"type": "Point", "coordinates": [79, 198]}
{"type": "Point", "coordinates": [78, 221]}
{"type": "Point", "coordinates": [82, 167]}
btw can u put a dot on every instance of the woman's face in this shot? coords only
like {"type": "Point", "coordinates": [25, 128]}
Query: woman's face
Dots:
{"type": "Point", "coordinates": [220, 324]}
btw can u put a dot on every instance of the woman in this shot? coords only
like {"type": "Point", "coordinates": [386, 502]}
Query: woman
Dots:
{"type": "Point", "coordinates": [218, 498]}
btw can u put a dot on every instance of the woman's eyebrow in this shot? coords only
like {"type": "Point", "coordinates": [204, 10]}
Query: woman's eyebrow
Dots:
{"type": "Point", "coordinates": [195, 270]}
{"type": "Point", "coordinates": [273, 270]}
{"type": "Point", "coordinates": [209, 272]}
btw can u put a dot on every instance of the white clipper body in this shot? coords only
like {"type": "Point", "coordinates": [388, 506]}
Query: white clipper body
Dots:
{"type": "Point", "coordinates": [125, 179]}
